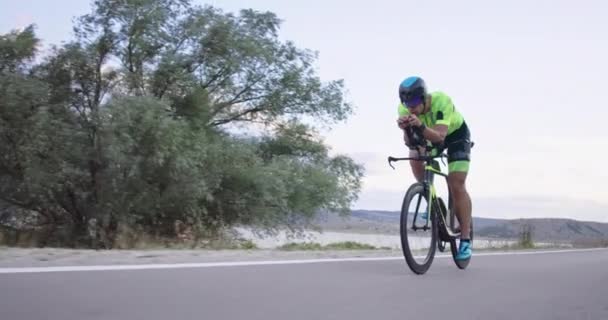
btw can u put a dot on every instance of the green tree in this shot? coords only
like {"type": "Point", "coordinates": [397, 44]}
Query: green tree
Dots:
{"type": "Point", "coordinates": [171, 49]}
{"type": "Point", "coordinates": [133, 124]}
{"type": "Point", "coordinates": [22, 97]}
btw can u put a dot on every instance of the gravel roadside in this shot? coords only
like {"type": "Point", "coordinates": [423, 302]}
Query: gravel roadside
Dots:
{"type": "Point", "coordinates": [47, 257]}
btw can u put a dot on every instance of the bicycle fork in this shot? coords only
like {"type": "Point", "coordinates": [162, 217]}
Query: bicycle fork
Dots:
{"type": "Point", "coordinates": [431, 196]}
{"type": "Point", "coordinates": [429, 192]}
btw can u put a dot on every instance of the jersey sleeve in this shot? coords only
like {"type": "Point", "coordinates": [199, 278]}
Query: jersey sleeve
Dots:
{"type": "Point", "coordinates": [445, 111]}
{"type": "Point", "coordinates": [402, 110]}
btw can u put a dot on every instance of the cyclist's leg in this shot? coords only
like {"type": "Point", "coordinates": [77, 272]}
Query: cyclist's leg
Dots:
{"type": "Point", "coordinates": [459, 157]}
{"type": "Point", "coordinates": [457, 177]}
{"type": "Point", "coordinates": [417, 166]}
{"type": "Point", "coordinates": [462, 201]}
{"type": "Point", "coordinates": [462, 205]}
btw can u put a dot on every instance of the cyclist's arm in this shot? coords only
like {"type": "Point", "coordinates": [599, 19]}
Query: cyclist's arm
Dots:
{"type": "Point", "coordinates": [436, 134]}
{"type": "Point", "coordinates": [406, 139]}
{"type": "Point", "coordinates": [440, 130]}
{"type": "Point", "coordinates": [403, 113]}
{"type": "Point", "coordinates": [413, 138]}
{"type": "Point", "coordinates": [409, 142]}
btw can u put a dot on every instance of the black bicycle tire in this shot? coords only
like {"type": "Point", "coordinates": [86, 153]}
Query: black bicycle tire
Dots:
{"type": "Point", "coordinates": [443, 237]}
{"type": "Point", "coordinates": [442, 224]}
{"type": "Point", "coordinates": [453, 217]}
{"type": "Point", "coordinates": [461, 264]}
{"type": "Point", "coordinates": [417, 268]}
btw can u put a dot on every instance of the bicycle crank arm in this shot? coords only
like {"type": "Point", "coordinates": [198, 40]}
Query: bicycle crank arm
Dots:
{"type": "Point", "coordinates": [451, 233]}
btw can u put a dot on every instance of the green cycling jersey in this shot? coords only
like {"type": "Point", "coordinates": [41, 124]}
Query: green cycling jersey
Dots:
{"type": "Point", "coordinates": [442, 111]}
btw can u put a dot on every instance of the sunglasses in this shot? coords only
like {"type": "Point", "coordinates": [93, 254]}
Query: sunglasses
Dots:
{"type": "Point", "coordinates": [413, 102]}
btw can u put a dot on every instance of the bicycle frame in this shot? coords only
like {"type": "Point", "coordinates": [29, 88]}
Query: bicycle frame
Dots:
{"type": "Point", "coordinates": [431, 191]}
{"type": "Point", "coordinates": [439, 217]}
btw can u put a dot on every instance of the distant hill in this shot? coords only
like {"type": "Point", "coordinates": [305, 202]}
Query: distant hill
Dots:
{"type": "Point", "coordinates": [543, 229]}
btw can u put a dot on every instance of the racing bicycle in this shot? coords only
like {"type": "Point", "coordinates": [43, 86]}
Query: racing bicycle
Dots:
{"type": "Point", "coordinates": [426, 224]}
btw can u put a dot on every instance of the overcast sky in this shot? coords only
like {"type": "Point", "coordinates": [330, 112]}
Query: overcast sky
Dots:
{"type": "Point", "coordinates": [528, 76]}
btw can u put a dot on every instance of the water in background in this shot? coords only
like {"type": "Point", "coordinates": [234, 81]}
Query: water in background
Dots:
{"type": "Point", "coordinates": [376, 240]}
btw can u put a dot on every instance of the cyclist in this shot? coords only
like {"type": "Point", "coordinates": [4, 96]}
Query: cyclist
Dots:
{"type": "Point", "coordinates": [431, 117]}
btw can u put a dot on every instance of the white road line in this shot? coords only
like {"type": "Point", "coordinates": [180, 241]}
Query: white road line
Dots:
{"type": "Point", "coordinates": [254, 263]}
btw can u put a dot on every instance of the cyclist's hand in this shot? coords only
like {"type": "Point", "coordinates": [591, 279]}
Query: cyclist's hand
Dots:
{"type": "Point", "coordinates": [402, 122]}
{"type": "Point", "coordinates": [413, 121]}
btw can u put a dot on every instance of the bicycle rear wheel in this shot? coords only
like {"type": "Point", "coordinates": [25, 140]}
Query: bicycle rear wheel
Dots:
{"type": "Point", "coordinates": [443, 223]}
{"type": "Point", "coordinates": [418, 232]}
{"type": "Point", "coordinates": [454, 245]}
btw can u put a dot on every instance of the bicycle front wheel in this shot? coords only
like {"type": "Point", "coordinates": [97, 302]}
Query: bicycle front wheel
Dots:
{"type": "Point", "coordinates": [418, 230]}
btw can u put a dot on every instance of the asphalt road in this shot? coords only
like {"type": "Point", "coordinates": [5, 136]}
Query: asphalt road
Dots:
{"type": "Point", "coordinates": [567, 285]}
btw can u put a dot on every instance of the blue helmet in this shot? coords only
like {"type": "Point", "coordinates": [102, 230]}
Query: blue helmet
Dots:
{"type": "Point", "coordinates": [412, 91]}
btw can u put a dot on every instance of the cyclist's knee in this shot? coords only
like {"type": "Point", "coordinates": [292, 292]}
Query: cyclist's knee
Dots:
{"type": "Point", "coordinates": [417, 166]}
{"type": "Point", "coordinates": [457, 182]}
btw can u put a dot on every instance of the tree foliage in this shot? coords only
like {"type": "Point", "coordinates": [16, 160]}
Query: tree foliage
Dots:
{"type": "Point", "coordinates": [132, 124]}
